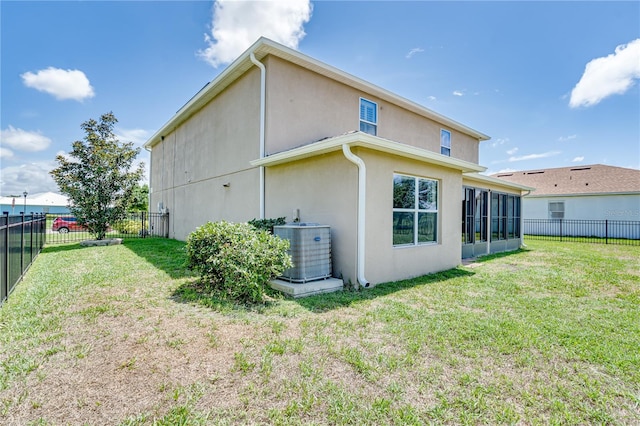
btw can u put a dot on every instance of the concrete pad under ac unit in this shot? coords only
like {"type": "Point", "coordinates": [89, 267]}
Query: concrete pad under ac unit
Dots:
{"type": "Point", "coordinates": [309, 288]}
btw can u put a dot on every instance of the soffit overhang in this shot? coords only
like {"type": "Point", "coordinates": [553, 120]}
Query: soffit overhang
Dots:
{"type": "Point", "coordinates": [365, 140]}
{"type": "Point", "coordinates": [477, 178]}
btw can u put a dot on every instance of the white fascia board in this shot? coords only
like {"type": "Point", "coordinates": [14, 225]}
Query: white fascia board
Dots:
{"type": "Point", "coordinates": [590, 194]}
{"type": "Point", "coordinates": [364, 140]}
{"type": "Point", "coordinates": [476, 177]}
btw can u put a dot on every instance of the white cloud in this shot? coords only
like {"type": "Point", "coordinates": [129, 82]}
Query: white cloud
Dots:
{"type": "Point", "coordinates": [33, 178]}
{"type": "Point", "coordinates": [566, 138]}
{"type": "Point", "coordinates": [458, 93]}
{"type": "Point", "coordinates": [534, 156]}
{"type": "Point", "coordinates": [499, 141]}
{"type": "Point", "coordinates": [413, 52]}
{"type": "Point", "coordinates": [512, 151]}
{"type": "Point", "coordinates": [24, 140]}
{"type": "Point", "coordinates": [432, 98]}
{"type": "Point", "coordinates": [507, 170]}
{"type": "Point", "coordinates": [5, 153]}
{"type": "Point", "coordinates": [578, 159]}
{"type": "Point", "coordinates": [490, 172]}
{"type": "Point", "coordinates": [63, 84]}
{"type": "Point", "coordinates": [609, 75]}
{"type": "Point", "coordinates": [238, 24]}
{"type": "Point", "coordinates": [137, 136]}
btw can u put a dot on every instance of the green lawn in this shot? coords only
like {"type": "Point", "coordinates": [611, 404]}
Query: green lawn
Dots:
{"type": "Point", "coordinates": [122, 335]}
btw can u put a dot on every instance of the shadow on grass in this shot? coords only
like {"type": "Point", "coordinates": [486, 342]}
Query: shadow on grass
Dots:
{"type": "Point", "coordinates": [489, 257]}
{"type": "Point", "coordinates": [329, 301]}
{"type": "Point", "coordinates": [61, 247]}
{"type": "Point", "coordinates": [165, 254]}
{"type": "Point", "coordinates": [195, 292]}
{"type": "Point", "coordinates": [169, 256]}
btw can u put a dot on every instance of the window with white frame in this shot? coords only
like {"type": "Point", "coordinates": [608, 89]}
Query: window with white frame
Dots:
{"type": "Point", "coordinates": [415, 210]}
{"type": "Point", "coordinates": [556, 210]}
{"type": "Point", "coordinates": [368, 117]}
{"type": "Point", "coordinates": [445, 142]}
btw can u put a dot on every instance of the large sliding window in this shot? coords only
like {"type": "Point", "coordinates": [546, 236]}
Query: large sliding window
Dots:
{"type": "Point", "coordinates": [415, 210]}
{"type": "Point", "coordinates": [474, 215]}
{"type": "Point", "coordinates": [505, 216]}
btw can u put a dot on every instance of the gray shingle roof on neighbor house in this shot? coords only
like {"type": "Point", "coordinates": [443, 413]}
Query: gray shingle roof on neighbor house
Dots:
{"type": "Point", "coordinates": [587, 180]}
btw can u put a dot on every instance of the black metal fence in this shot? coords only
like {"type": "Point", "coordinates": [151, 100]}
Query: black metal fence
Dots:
{"type": "Point", "coordinates": [21, 239]}
{"type": "Point", "coordinates": [63, 228]}
{"type": "Point", "coordinates": [625, 232]}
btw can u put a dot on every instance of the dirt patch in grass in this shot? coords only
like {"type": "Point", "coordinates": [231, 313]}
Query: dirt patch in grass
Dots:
{"type": "Point", "coordinates": [510, 343]}
{"type": "Point", "coordinates": [115, 366]}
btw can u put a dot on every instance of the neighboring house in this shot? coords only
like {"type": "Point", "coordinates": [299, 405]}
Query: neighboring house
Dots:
{"type": "Point", "coordinates": [582, 193]}
{"type": "Point", "coordinates": [279, 133]}
{"type": "Point", "coordinates": [47, 202]}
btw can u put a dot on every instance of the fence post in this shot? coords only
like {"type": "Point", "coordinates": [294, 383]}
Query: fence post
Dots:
{"type": "Point", "coordinates": [606, 231]}
{"type": "Point", "coordinates": [143, 229]}
{"type": "Point", "coordinates": [33, 222]}
{"type": "Point", "coordinates": [22, 244]}
{"type": "Point", "coordinates": [561, 221]}
{"type": "Point", "coordinates": [4, 291]}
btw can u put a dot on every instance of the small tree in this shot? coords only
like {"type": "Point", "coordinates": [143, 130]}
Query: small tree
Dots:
{"type": "Point", "coordinates": [140, 200]}
{"type": "Point", "coordinates": [98, 176]}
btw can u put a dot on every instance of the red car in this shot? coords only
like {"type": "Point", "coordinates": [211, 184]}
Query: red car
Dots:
{"type": "Point", "coordinates": [67, 224]}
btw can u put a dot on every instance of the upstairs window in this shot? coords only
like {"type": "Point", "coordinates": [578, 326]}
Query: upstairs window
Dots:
{"type": "Point", "coordinates": [368, 117]}
{"type": "Point", "coordinates": [445, 142]}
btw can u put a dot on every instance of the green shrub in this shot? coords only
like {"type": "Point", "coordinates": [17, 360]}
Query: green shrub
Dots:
{"type": "Point", "coordinates": [268, 224]}
{"type": "Point", "coordinates": [129, 226]}
{"type": "Point", "coordinates": [236, 260]}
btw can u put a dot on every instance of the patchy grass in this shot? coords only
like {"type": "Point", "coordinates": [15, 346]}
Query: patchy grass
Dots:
{"type": "Point", "coordinates": [124, 335]}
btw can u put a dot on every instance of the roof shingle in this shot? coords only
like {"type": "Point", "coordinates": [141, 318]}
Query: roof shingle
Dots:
{"type": "Point", "coordinates": [593, 179]}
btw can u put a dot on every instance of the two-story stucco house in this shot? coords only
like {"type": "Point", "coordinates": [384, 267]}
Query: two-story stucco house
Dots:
{"type": "Point", "coordinates": [279, 132]}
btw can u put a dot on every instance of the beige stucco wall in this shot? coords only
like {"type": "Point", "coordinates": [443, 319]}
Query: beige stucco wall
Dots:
{"type": "Point", "coordinates": [304, 107]}
{"type": "Point", "coordinates": [325, 189]}
{"type": "Point", "coordinates": [386, 262]}
{"type": "Point", "coordinates": [212, 148]}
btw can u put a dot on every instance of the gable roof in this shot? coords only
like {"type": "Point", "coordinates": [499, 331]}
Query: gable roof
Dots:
{"type": "Point", "coordinates": [581, 180]}
{"type": "Point", "coordinates": [263, 47]}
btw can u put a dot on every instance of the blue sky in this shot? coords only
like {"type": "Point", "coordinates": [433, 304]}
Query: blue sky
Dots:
{"type": "Point", "coordinates": [554, 84]}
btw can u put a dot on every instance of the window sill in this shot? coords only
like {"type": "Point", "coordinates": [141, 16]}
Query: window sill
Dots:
{"type": "Point", "coordinates": [404, 246]}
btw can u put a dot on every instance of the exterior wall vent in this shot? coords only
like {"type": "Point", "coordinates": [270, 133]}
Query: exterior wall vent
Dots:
{"type": "Point", "coordinates": [310, 251]}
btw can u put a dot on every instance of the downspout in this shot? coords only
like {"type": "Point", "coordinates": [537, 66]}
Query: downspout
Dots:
{"type": "Point", "coordinates": [263, 88]}
{"type": "Point", "coordinates": [362, 198]}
